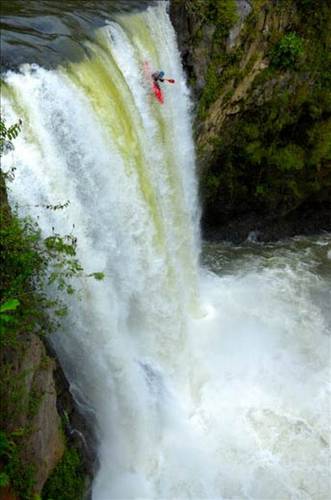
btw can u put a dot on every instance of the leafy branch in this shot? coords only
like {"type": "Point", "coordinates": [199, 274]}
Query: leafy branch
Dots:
{"type": "Point", "coordinates": [7, 135]}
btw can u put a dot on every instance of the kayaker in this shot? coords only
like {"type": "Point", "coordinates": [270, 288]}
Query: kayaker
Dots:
{"type": "Point", "coordinates": [158, 76]}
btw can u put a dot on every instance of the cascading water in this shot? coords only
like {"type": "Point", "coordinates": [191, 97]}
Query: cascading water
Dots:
{"type": "Point", "coordinates": [213, 393]}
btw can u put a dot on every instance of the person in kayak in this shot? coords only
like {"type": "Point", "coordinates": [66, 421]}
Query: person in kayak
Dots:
{"type": "Point", "coordinates": [158, 76]}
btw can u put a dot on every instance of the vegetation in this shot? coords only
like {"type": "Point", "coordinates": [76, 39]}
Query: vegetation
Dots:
{"type": "Point", "coordinates": [29, 263]}
{"type": "Point", "coordinates": [25, 262]}
{"type": "Point", "coordinates": [67, 480]}
{"type": "Point", "coordinates": [222, 13]}
{"type": "Point", "coordinates": [15, 472]}
{"type": "Point", "coordinates": [7, 135]}
{"type": "Point", "coordinates": [274, 153]}
{"type": "Point", "coordinates": [287, 51]}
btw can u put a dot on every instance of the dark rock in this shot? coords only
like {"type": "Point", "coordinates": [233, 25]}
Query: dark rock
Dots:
{"type": "Point", "coordinates": [45, 445]}
{"type": "Point", "coordinates": [306, 220]}
{"type": "Point", "coordinates": [78, 424]}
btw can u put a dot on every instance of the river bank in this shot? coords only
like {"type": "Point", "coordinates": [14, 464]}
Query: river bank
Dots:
{"type": "Point", "coordinates": [305, 221]}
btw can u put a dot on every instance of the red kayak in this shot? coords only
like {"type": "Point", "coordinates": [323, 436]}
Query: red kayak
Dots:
{"type": "Point", "coordinates": [155, 88]}
{"type": "Point", "coordinates": [157, 92]}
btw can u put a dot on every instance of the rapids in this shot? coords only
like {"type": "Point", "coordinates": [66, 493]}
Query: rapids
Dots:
{"type": "Point", "coordinates": [205, 381]}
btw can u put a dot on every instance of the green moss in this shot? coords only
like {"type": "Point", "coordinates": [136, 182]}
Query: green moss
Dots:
{"type": "Point", "coordinates": [223, 68]}
{"type": "Point", "coordinates": [222, 15]}
{"type": "Point", "coordinates": [34, 402]}
{"type": "Point", "coordinates": [19, 475]}
{"type": "Point", "coordinates": [287, 51]}
{"type": "Point", "coordinates": [288, 158]}
{"type": "Point", "coordinates": [14, 399]}
{"type": "Point", "coordinates": [275, 153]}
{"type": "Point", "coordinates": [67, 480]}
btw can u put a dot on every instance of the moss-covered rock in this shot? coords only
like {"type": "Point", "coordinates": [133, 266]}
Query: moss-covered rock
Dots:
{"type": "Point", "coordinates": [263, 114]}
{"type": "Point", "coordinates": [67, 481]}
{"type": "Point", "coordinates": [29, 416]}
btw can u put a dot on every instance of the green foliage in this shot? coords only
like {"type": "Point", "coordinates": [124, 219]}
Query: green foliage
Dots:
{"type": "Point", "coordinates": [210, 90]}
{"type": "Point", "coordinates": [14, 472]}
{"type": "Point", "coordinates": [222, 13]}
{"type": "Point", "coordinates": [4, 479]}
{"type": "Point", "coordinates": [29, 263]}
{"type": "Point", "coordinates": [7, 135]}
{"type": "Point", "coordinates": [223, 66]}
{"type": "Point", "coordinates": [275, 153]}
{"type": "Point", "coordinates": [9, 305]}
{"type": "Point", "coordinates": [23, 270]}
{"type": "Point", "coordinates": [5, 318]}
{"type": "Point", "coordinates": [67, 480]}
{"type": "Point", "coordinates": [287, 51]}
{"type": "Point", "coordinates": [13, 393]}
{"type": "Point", "coordinates": [98, 276]}
{"type": "Point", "coordinates": [287, 158]}
{"type": "Point", "coordinates": [312, 8]}
{"type": "Point", "coordinates": [319, 140]}
{"type": "Point", "coordinates": [61, 251]}
{"type": "Point", "coordinates": [278, 164]}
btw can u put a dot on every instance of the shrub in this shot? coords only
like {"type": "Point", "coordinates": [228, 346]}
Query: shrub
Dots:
{"type": "Point", "coordinates": [7, 135]}
{"type": "Point", "coordinates": [287, 51]}
{"type": "Point", "coordinates": [67, 480]}
{"type": "Point", "coordinates": [14, 472]}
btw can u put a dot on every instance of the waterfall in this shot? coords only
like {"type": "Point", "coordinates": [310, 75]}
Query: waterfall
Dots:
{"type": "Point", "coordinates": [94, 135]}
{"type": "Point", "coordinates": [185, 372]}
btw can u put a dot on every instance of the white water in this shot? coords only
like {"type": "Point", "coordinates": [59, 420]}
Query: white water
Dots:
{"type": "Point", "coordinates": [202, 387]}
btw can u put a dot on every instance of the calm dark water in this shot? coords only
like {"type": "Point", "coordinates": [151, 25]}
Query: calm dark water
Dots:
{"type": "Point", "coordinates": [47, 32]}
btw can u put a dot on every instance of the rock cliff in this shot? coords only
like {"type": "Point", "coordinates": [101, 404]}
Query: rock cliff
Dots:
{"type": "Point", "coordinates": [260, 76]}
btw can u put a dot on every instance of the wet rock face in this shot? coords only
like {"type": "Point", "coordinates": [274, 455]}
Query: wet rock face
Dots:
{"type": "Point", "coordinates": [195, 56]}
{"type": "Point", "coordinates": [78, 423]}
{"type": "Point", "coordinates": [47, 414]}
{"type": "Point", "coordinates": [250, 47]}
{"type": "Point", "coordinates": [261, 148]}
{"type": "Point", "coordinates": [243, 8]}
{"type": "Point", "coordinates": [45, 446]}
{"type": "Point", "coordinates": [43, 442]}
